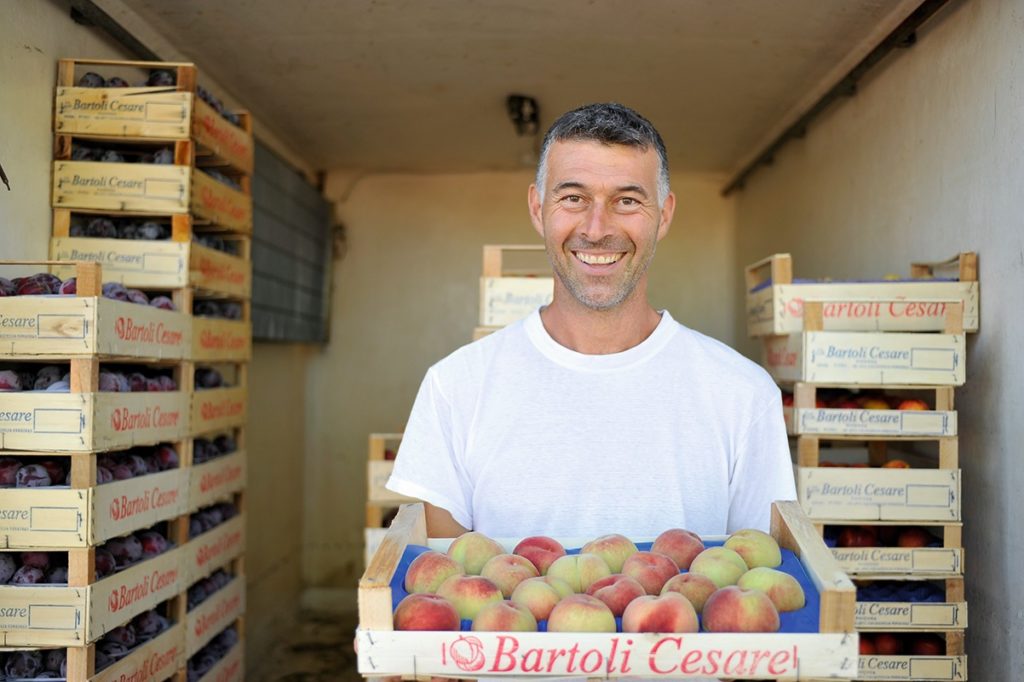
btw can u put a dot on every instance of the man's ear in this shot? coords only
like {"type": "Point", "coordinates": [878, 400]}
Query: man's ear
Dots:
{"type": "Point", "coordinates": [668, 209]}
{"type": "Point", "coordinates": [535, 205]}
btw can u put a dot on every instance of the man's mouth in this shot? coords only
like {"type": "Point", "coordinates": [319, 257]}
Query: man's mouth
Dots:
{"type": "Point", "coordinates": [598, 259]}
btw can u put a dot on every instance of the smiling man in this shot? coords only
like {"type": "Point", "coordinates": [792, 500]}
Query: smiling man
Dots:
{"type": "Point", "coordinates": [597, 413]}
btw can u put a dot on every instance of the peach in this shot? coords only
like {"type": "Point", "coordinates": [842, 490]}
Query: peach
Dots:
{"type": "Point", "coordinates": [695, 587]}
{"type": "Point", "coordinates": [912, 404]}
{"type": "Point", "coordinates": [614, 549]}
{"type": "Point", "coordinates": [469, 593]}
{"type": "Point", "coordinates": [579, 570]}
{"type": "Point", "coordinates": [782, 588]}
{"type": "Point", "coordinates": [504, 616]}
{"type": "Point", "coordinates": [540, 550]}
{"type": "Point", "coordinates": [426, 612]}
{"type": "Point", "coordinates": [733, 609]}
{"type": "Point", "coordinates": [616, 591]}
{"type": "Point", "coordinates": [756, 547]}
{"type": "Point", "coordinates": [670, 612]}
{"type": "Point", "coordinates": [473, 550]}
{"type": "Point", "coordinates": [427, 571]}
{"type": "Point", "coordinates": [721, 564]}
{"type": "Point", "coordinates": [651, 570]}
{"type": "Point", "coordinates": [679, 545]}
{"type": "Point", "coordinates": [540, 594]}
{"type": "Point", "coordinates": [581, 613]}
{"type": "Point", "coordinates": [508, 570]}
{"type": "Point", "coordinates": [874, 404]}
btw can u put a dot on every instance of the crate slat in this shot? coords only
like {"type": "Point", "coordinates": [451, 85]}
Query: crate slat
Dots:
{"type": "Point", "coordinates": [921, 668]}
{"type": "Point", "coordinates": [378, 473]}
{"type": "Point", "coordinates": [147, 188]}
{"type": "Point", "coordinates": [902, 616]}
{"type": "Point", "coordinates": [139, 112]}
{"type": "Point", "coordinates": [879, 494]}
{"type": "Point", "coordinates": [216, 339]}
{"type": "Point", "coordinates": [204, 554]}
{"type": "Point", "coordinates": [216, 409]}
{"type": "Point", "coordinates": [887, 562]}
{"type": "Point", "coordinates": [214, 201]}
{"type": "Point", "coordinates": [156, 660]}
{"type": "Point", "coordinates": [231, 668]}
{"type": "Point", "coordinates": [227, 143]}
{"type": "Point", "coordinates": [504, 300]}
{"type": "Point", "coordinates": [216, 480]}
{"type": "Point", "coordinates": [217, 612]}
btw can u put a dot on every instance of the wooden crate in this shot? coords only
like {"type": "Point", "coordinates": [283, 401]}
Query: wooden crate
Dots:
{"type": "Point", "coordinates": [775, 303]}
{"type": "Point", "coordinates": [829, 652]}
{"type": "Point", "coordinates": [71, 616]}
{"type": "Point", "coordinates": [886, 616]}
{"type": "Point", "coordinates": [481, 332]}
{"type": "Point", "coordinates": [159, 659]}
{"type": "Point", "coordinates": [152, 113]}
{"type": "Point", "coordinates": [214, 549]}
{"type": "Point", "coordinates": [805, 418]}
{"type": "Point", "coordinates": [904, 562]}
{"type": "Point", "coordinates": [508, 294]}
{"type": "Point", "coordinates": [131, 187]}
{"type": "Point", "coordinates": [378, 469]}
{"type": "Point", "coordinates": [218, 611]}
{"type": "Point", "coordinates": [222, 206]}
{"type": "Point", "coordinates": [219, 340]}
{"type": "Point", "coordinates": [918, 668]}
{"type": "Point", "coordinates": [218, 409]}
{"type": "Point", "coordinates": [216, 480]}
{"type": "Point", "coordinates": [87, 324]}
{"type": "Point", "coordinates": [868, 358]}
{"type": "Point", "coordinates": [877, 494]}
{"type": "Point", "coordinates": [231, 668]}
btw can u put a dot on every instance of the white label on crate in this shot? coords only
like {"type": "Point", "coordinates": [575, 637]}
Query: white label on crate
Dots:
{"type": "Point", "coordinates": [881, 358]}
{"type": "Point", "coordinates": [831, 421]}
{"type": "Point", "coordinates": [912, 668]}
{"type": "Point", "coordinates": [898, 560]}
{"type": "Point", "coordinates": [504, 300]}
{"type": "Point", "coordinates": [908, 614]}
{"type": "Point", "coordinates": [873, 494]}
{"type": "Point", "coordinates": [129, 258]}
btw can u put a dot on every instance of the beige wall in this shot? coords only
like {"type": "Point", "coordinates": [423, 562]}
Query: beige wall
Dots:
{"type": "Point", "coordinates": [406, 294]}
{"type": "Point", "coordinates": [923, 162]}
{"type": "Point", "coordinates": [33, 35]}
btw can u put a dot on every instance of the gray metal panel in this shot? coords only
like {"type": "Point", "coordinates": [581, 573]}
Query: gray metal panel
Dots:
{"type": "Point", "coordinates": [291, 254]}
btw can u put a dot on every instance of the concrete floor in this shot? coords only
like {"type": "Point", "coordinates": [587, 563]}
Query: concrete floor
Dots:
{"type": "Point", "coordinates": [317, 649]}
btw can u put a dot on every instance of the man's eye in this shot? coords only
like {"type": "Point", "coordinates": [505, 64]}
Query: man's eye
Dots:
{"type": "Point", "coordinates": [572, 198]}
{"type": "Point", "coordinates": [629, 201]}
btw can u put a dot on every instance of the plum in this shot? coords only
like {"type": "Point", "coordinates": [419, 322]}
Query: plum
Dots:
{"type": "Point", "coordinates": [109, 381]}
{"type": "Point", "coordinates": [167, 457]}
{"type": "Point", "coordinates": [10, 380]}
{"type": "Point", "coordinates": [77, 228]}
{"type": "Point", "coordinates": [55, 469]}
{"type": "Point", "coordinates": [69, 287]}
{"type": "Point", "coordinates": [8, 567]}
{"type": "Point", "coordinates": [197, 594]}
{"type": "Point", "coordinates": [126, 550]}
{"type": "Point", "coordinates": [231, 310]}
{"type": "Point", "coordinates": [32, 476]}
{"type": "Point", "coordinates": [104, 475]}
{"type": "Point", "coordinates": [161, 78]}
{"type": "Point", "coordinates": [136, 296]}
{"type": "Point", "coordinates": [59, 387]}
{"type": "Point", "coordinates": [27, 575]}
{"type": "Point", "coordinates": [117, 82]}
{"type": "Point", "coordinates": [164, 157]}
{"type": "Point", "coordinates": [40, 560]}
{"type": "Point", "coordinates": [152, 463]}
{"type": "Point", "coordinates": [206, 309]}
{"type": "Point", "coordinates": [116, 291]}
{"type": "Point", "coordinates": [46, 376]}
{"type": "Point", "coordinates": [225, 444]}
{"type": "Point", "coordinates": [122, 472]}
{"type": "Point", "coordinates": [9, 471]}
{"type": "Point", "coordinates": [137, 381]}
{"type": "Point", "coordinates": [56, 661]}
{"type": "Point", "coordinates": [151, 231]}
{"type": "Point", "coordinates": [128, 230]}
{"type": "Point", "coordinates": [35, 286]}
{"type": "Point", "coordinates": [124, 634]}
{"type": "Point", "coordinates": [7, 287]}
{"type": "Point", "coordinates": [148, 625]}
{"type": "Point", "coordinates": [23, 664]}
{"type": "Point", "coordinates": [112, 651]}
{"type": "Point", "coordinates": [105, 562]}
{"type": "Point", "coordinates": [195, 527]}
{"type": "Point", "coordinates": [91, 79]}
{"type": "Point", "coordinates": [208, 378]}
{"type": "Point", "coordinates": [80, 153]}
{"type": "Point", "coordinates": [227, 639]}
{"type": "Point", "coordinates": [153, 384]}
{"type": "Point", "coordinates": [202, 450]}
{"type": "Point", "coordinates": [138, 465]}
{"type": "Point", "coordinates": [102, 660]}
{"type": "Point", "coordinates": [162, 302]}
{"type": "Point", "coordinates": [167, 383]}
{"type": "Point", "coordinates": [57, 575]}
{"type": "Point", "coordinates": [112, 156]}
{"type": "Point", "coordinates": [103, 228]}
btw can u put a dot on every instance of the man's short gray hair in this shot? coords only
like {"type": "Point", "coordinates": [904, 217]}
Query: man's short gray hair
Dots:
{"type": "Point", "coordinates": [608, 123]}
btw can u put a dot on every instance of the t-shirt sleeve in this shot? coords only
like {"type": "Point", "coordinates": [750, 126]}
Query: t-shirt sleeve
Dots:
{"type": "Point", "coordinates": [763, 472]}
{"type": "Point", "coordinates": [426, 466]}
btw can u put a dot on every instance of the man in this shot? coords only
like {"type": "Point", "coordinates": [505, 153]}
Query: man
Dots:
{"type": "Point", "coordinates": [596, 414]}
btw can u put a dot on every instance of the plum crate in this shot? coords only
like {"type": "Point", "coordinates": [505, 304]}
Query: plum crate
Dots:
{"type": "Point", "coordinates": [509, 293]}
{"type": "Point", "coordinates": [88, 512]}
{"type": "Point", "coordinates": [217, 610]}
{"type": "Point", "coordinates": [146, 188]}
{"type": "Point", "coordinates": [219, 396]}
{"type": "Point", "coordinates": [775, 301]}
{"type": "Point", "coordinates": [828, 652]}
{"type": "Point", "coordinates": [221, 340]}
{"type": "Point", "coordinates": [180, 261]}
{"type": "Point", "coordinates": [86, 324]}
{"type": "Point", "coordinates": [230, 667]}
{"type": "Point", "coordinates": [217, 468]}
{"type": "Point", "coordinates": [217, 547]}
{"type": "Point", "coordinates": [158, 659]}
{"type": "Point", "coordinates": [872, 358]}
{"type": "Point", "coordinates": [164, 112]}
{"type": "Point", "coordinates": [87, 607]}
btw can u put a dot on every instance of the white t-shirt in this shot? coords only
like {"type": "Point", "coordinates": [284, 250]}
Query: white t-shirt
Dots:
{"type": "Point", "coordinates": [516, 435]}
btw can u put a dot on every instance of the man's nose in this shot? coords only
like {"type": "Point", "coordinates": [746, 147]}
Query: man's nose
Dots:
{"type": "Point", "coordinates": [597, 222]}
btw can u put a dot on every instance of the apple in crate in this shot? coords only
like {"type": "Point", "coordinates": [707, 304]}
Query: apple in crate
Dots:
{"type": "Point", "coordinates": [734, 609]}
{"type": "Point", "coordinates": [614, 549]}
{"type": "Point", "coordinates": [651, 570]}
{"type": "Point", "coordinates": [425, 612]}
{"type": "Point", "coordinates": [579, 570]}
{"type": "Point", "coordinates": [617, 591]}
{"type": "Point", "coordinates": [504, 616]}
{"type": "Point", "coordinates": [679, 545]}
{"type": "Point", "coordinates": [540, 550]}
{"type": "Point", "coordinates": [755, 547]}
{"type": "Point", "coordinates": [782, 588]}
{"type": "Point", "coordinates": [581, 613]}
{"type": "Point", "coordinates": [473, 550]}
{"type": "Point", "coordinates": [540, 594]}
{"type": "Point", "coordinates": [427, 571]}
{"type": "Point", "coordinates": [507, 571]}
{"type": "Point", "coordinates": [670, 612]}
{"type": "Point", "coordinates": [695, 587]}
{"type": "Point", "coordinates": [469, 593]}
{"type": "Point", "coordinates": [721, 565]}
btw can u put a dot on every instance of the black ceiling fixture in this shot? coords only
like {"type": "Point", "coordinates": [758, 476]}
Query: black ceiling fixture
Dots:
{"type": "Point", "coordinates": [524, 114]}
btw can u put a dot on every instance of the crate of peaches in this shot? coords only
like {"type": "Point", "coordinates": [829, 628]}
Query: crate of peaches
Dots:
{"type": "Point", "coordinates": [748, 606]}
{"type": "Point", "coordinates": [837, 413]}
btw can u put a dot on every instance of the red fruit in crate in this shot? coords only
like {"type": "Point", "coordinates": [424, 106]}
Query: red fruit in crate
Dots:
{"type": "Point", "coordinates": [122, 472]}
{"type": "Point", "coordinates": [152, 463]}
{"type": "Point", "coordinates": [153, 384]}
{"type": "Point", "coordinates": [23, 665]}
{"type": "Point", "coordinates": [137, 382]}
{"type": "Point", "coordinates": [46, 376]}
{"type": "Point", "coordinates": [32, 476]}
{"type": "Point", "coordinates": [887, 535]}
{"type": "Point", "coordinates": [888, 644]}
{"type": "Point", "coordinates": [167, 383]}
{"type": "Point", "coordinates": [126, 550]}
{"type": "Point", "coordinates": [896, 464]}
{"type": "Point", "coordinates": [69, 286]}
{"type": "Point", "coordinates": [27, 575]}
{"type": "Point", "coordinates": [912, 404]}
{"type": "Point", "coordinates": [866, 645]}
{"type": "Point", "coordinates": [167, 457]}
{"type": "Point", "coordinates": [225, 444]}
{"type": "Point", "coordinates": [109, 381]}
{"type": "Point", "coordinates": [857, 536]}
{"type": "Point", "coordinates": [122, 635]}
{"type": "Point", "coordinates": [426, 612]}
{"type": "Point", "coordinates": [105, 475]}
{"type": "Point", "coordinates": [7, 287]}
{"type": "Point", "coordinates": [148, 625]}
{"type": "Point", "coordinates": [105, 562]}
{"type": "Point", "coordinates": [787, 400]}
{"type": "Point", "coordinates": [10, 380]}
{"type": "Point", "coordinates": [55, 469]}
{"type": "Point", "coordinates": [137, 464]}
{"type": "Point", "coordinates": [927, 645]}
{"type": "Point", "coordinates": [914, 536]}
{"type": "Point", "coordinates": [153, 543]}
{"type": "Point", "coordinates": [40, 560]}
{"type": "Point", "coordinates": [8, 567]}
{"type": "Point", "coordinates": [162, 302]}
{"type": "Point", "coordinates": [9, 471]}
{"type": "Point", "coordinates": [57, 575]}
{"type": "Point", "coordinates": [115, 291]}
{"type": "Point", "coordinates": [136, 296]}
{"type": "Point", "coordinates": [55, 659]}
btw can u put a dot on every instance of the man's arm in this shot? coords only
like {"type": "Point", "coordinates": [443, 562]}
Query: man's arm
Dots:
{"type": "Point", "coordinates": [440, 523]}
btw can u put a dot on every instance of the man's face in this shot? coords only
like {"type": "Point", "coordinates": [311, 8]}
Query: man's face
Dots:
{"type": "Point", "coordinates": [600, 218]}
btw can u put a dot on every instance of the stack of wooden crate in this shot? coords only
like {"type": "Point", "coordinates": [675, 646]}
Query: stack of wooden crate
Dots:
{"type": "Point", "coordinates": [872, 367]}
{"type": "Point", "coordinates": [381, 503]}
{"type": "Point", "coordinates": [509, 293]}
{"type": "Point", "coordinates": [163, 158]}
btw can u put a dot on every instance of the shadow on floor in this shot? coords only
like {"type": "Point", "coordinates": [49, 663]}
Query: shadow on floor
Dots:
{"type": "Point", "coordinates": [318, 648]}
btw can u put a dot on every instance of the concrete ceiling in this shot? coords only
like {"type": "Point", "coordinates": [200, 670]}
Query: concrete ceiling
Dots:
{"type": "Point", "coordinates": [420, 85]}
